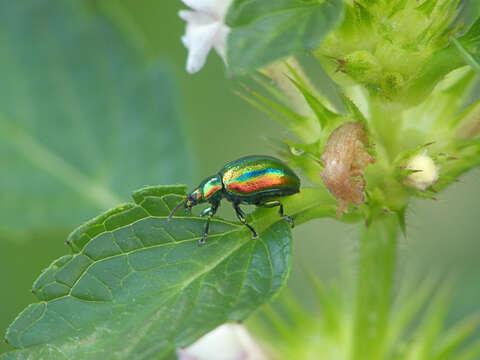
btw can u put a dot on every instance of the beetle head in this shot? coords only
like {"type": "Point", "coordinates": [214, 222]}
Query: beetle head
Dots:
{"type": "Point", "coordinates": [192, 199]}
{"type": "Point", "coordinates": [209, 189]}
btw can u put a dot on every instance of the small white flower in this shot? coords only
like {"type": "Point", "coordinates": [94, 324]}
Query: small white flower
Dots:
{"type": "Point", "coordinates": [426, 172]}
{"type": "Point", "coordinates": [226, 342]}
{"type": "Point", "coordinates": [205, 29]}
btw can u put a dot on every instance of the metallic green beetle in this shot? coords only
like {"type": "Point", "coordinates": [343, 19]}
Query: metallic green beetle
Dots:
{"type": "Point", "coordinates": [251, 180]}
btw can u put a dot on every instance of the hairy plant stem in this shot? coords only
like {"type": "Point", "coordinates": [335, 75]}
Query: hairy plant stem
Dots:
{"type": "Point", "coordinates": [386, 122]}
{"type": "Point", "coordinates": [374, 285]}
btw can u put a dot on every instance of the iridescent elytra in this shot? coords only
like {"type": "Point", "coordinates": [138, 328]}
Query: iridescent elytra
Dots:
{"type": "Point", "coordinates": [251, 180]}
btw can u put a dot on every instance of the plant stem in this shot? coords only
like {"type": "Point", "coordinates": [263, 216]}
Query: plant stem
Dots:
{"type": "Point", "coordinates": [386, 123]}
{"type": "Point", "coordinates": [376, 272]}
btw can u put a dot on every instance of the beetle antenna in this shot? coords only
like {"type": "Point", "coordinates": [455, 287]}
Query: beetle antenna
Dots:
{"type": "Point", "coordinates": [176, 207]}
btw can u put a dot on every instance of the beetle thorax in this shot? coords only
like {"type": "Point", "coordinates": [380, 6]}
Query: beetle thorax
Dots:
{"type": "Point", "coordinates": [211, 187]}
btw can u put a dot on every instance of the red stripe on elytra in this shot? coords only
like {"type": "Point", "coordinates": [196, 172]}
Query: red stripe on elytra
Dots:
{"type": "Point", "coordinates": [256, 184]}
{"type": "Point", "coordinates": [212, 190]}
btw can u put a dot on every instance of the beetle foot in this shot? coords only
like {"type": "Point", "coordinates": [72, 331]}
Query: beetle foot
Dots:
{"type": "Point", "coordinates": [203, 240]}
{"type": "Point", "coordinates": [254, 235]}
{"type": "Point", "coordinates": [290, 220]}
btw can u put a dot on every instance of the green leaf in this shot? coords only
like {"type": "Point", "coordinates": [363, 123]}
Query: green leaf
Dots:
{"type": "Point", "coordinates": [407, 308]}
{"type": "Point", "coordinates": [321, 81]}
{"type": "Point", "coordinates": [469, 58]}
{"type": "Point", "coordinates": [291, 329]}
{"type": "Point", "coordinates": [443, 61]}
{"type": "Point", "coordinates": [137, 286]}
{"type": "Point", "coordinates": [265, 31]}
{"type": "Point", "coordinates": [322, 113]}
{"type": "Point", "coordinates": [83, 117]}
{"type": "Point", "coordinates": [296, 122]}
{"type": "Point", "coordinates": [456, 337]}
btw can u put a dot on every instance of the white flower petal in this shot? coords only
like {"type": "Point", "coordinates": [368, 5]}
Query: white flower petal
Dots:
{"type": "Point", "coordinates": [196, 18]}
{"type": "Point", "coordinates": [220, 43]}
{"type": "Point", "coordinates": [199, 40]}
{"type": "Point", "coordinates": [227, 342]}
{"type": "Point", "coordinates": [205, 29]}
{"type": "Point", "coordinates": [215, 8]}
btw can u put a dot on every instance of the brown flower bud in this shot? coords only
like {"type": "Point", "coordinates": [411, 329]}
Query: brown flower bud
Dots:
{"type": "Point", "coordinates": [344, 160]}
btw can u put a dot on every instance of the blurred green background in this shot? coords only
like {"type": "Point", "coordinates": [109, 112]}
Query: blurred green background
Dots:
{"type": "Point", "coordinates": [443, 236]}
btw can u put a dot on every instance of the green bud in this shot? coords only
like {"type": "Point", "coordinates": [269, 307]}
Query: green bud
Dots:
{"type": "Point", "coordinates": [391, 83]}
{"type": "Point", "coordinates": [406, 27]}
{"type": "Point", "coordinates": [362, 66]}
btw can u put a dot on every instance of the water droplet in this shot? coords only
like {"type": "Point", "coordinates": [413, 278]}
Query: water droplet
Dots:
{"type": "Point", "coordinates": [296, 151]}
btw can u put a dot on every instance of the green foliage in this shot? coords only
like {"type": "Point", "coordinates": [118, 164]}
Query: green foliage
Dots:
{"type": "Point", "coordinates": [398, 49]}
{"type": "Point", "coordinates": [442, 61]}
{"type": "Point", "coordinates": [265, 31]}
{"type": "Point", "coordinates": [404, 92]}
{"type": "Point", "coordinates": [278, 109]}
{"type": "Point", "coordinates": [321, 81]}
{"type": "Point", "coordinates": [137, 285]}
{"type": "Point", "coordinates": [84, 119]}
{"type": "Point", "coordinates": [469, 46]}
{"type": "Point", "coordinates": [441, 121]}
{"type": "Point", "coordinates": [414, 328]}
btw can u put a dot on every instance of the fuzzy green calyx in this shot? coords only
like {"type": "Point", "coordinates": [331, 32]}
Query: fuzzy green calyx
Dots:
{"type": "Point", "coordinates": [362, 66]}
{"type": "Point", "coordinates": [388, 46]}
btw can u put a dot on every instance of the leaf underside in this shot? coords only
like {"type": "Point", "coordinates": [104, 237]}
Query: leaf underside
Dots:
{"type": "Point", "coordinates": [76, 98]}
{"type": "Point", "coordinates": [265, 31]}
{"type": "Point", "coordinates": [137, 285]}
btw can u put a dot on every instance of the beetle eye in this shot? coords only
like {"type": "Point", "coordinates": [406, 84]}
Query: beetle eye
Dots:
{"type": "Point", "coordinates": [195, 196]}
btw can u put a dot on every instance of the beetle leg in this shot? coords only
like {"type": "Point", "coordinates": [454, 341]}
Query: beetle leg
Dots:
{"type": "Point", "coordinates": [210, 211]}
{"type": "Point", "coordinates": [241, 217]}
{"type": "Point", "coordinates": [273, 203]}
{"type": "Point", "coordinates": [206, 212]}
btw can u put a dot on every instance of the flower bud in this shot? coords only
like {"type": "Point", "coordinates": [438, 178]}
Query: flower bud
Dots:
{"type": "Point", "coordinates": [392, 83]}
{"type": "Point", "coordinates": [362, 66]}
{"type": "Point", "coordinates": [424, 172]}
{"type": "Point", "coordinates": [344, 159]}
